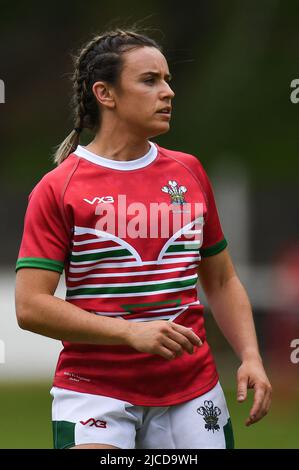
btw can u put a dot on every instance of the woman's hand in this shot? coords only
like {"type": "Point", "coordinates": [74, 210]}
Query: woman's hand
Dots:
{"type": "Point", "coordinates": [165, 338]}
{"type": "Point", "coordinates": [251, 374]}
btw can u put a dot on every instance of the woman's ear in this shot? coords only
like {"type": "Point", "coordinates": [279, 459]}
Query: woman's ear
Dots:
{"type": "Point", "coordinates": [104, 94]}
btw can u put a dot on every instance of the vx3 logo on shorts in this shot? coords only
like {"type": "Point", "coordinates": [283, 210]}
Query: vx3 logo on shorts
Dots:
{"type": "Point", "coordinates": [210, 414]}
{"type": "Point", "coordinates": [95, 422]}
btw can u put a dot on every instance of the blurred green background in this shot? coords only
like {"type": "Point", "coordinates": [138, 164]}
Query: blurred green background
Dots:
{"type": "Point", "coordinates": [232, 63]}
{"type": "Point", "coordinates": [27, 411]}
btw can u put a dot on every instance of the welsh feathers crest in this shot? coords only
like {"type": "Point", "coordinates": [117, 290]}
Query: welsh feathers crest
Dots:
{"type": "Point", "coordinates": [210, 414]}
{"type": "Point", "coordinates": [175, 191]}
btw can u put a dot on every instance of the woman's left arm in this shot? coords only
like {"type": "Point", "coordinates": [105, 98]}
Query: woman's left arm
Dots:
{"type": "Point", "coordinates": [232, 311]}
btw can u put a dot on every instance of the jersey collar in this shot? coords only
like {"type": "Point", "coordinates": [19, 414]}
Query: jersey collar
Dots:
{"type": "Point", "coordinates": [140, 162]}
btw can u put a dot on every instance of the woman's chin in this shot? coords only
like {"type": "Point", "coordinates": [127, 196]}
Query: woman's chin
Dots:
{"type": "Point", "coordinates": [158, 130]}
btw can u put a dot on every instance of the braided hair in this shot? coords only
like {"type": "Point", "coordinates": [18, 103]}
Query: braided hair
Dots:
{"type": "Point", "coordinates": [98, 60]}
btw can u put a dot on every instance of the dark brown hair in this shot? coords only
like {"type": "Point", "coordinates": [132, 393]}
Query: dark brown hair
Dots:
{"type": "Point", "coordinates": [98, 60]}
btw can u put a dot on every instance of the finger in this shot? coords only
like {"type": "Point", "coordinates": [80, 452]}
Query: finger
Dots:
{"type": "Point", "coordinates": [166, 353]}
{"type": "Point", "coordinates": [250, 421]}
{"type": "Point", "coordinates": [173, 346]}
{"type": "Point", "coordinates": [259, 396]}
{"type": "Point", "coordinates": [256, 410]}
{"type": "Point", "coordinates": [267, 402]}
{"type": "Point", "coordinates": [257, 417]}
{"type": "Point", "coordinates": [254, 420]}
{"type": "Point", "coordinates": [180, 339]}
{"type": "Point", "coordinates": [189, 333]}
{"type": "Point", "coordinates": [242, 388]}
{"type": "Point", "coordinates": [264, 409]}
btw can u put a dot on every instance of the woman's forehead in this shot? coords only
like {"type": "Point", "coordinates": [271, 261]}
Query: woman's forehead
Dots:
{"type": "Point", "coordinates": [143, 59]}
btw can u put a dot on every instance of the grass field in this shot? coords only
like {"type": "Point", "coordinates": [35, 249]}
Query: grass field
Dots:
{"type": "Point", "coordinates": [26, 412]}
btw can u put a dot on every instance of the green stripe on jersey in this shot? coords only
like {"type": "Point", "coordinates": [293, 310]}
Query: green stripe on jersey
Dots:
{"type": "Point", "coordinates": [41, 263]}
{"type": "Point", "coordinates": [213, 250]}
{"type": "Point", "coordinates": [182, 247]}
{"type": "Point", "coordinates": [95, 256]}
{"type": "Point", "coordinates": [133, 289]}
{"type": "Point", "coordinates": [133, 308]}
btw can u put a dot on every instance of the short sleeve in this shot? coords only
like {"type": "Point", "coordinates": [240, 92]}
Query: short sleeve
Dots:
{"type": "Point", "coordinates": [45, 242]}
{"type": "Point", "coordinates": [213, 238]}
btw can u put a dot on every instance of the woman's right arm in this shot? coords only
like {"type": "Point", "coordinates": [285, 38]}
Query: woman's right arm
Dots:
{"type": "Point", "coordinates": [39, 311]}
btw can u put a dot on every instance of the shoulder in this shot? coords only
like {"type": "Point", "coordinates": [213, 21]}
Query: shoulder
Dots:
{"type": "Point", "coordinates": [56, 180]}
{"type": "Point", "coordinates": [189, 161]}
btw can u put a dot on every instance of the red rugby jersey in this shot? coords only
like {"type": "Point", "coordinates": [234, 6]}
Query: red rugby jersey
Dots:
{"type": "Point", "coordinates": [130, 236]}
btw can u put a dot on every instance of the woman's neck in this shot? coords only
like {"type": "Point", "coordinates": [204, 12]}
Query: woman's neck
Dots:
{"type": "Point", "coordinates": [117, 145]}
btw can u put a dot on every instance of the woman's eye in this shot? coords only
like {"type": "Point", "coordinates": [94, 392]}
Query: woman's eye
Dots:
{"type": "Point", "coordinates": [150, 80]}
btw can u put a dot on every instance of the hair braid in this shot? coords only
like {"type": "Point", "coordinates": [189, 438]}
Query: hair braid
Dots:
{"type": "Point", "coordinates": [99, 60]}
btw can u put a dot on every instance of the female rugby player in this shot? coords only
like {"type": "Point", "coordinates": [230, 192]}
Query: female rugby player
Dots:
{"type": "Point", "coordinates": [133, 225]}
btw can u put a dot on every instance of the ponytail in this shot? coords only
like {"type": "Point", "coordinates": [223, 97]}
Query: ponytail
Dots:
{"type": "Point", "coordinates": [69, 144]}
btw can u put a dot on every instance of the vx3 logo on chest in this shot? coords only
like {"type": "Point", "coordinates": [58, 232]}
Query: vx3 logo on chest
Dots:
{"type": "Point", "coordinates": [98, 200]}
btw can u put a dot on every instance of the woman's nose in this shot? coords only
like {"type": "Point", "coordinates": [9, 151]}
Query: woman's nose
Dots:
{"type": "Point", "coordinates": [168, 91]}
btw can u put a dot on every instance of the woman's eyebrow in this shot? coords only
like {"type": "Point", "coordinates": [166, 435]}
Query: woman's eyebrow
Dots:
{"type": "Point", "coordinates": [157, 74]}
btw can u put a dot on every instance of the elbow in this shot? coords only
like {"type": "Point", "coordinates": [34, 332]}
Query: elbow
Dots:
{"type": "Point", "coordinates": [23, 314]}
{"type": "Point", "coordinates": [22, 318]}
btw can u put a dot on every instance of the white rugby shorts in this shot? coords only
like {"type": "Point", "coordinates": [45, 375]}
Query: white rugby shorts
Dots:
{"type": "Point", "coordinates": [82, 418]}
